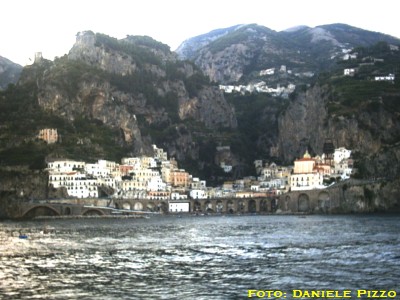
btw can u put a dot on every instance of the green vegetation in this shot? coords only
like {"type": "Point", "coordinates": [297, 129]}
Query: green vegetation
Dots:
{"type": "Point", "coordinates": [149, 42]}
{"type": "Point", "coordinates": [82, 136]}
{"type": "Point", "coordinates": [195, 83]}
{"type": "Point", "coordinates": [361, 91]}
{"type": "Point", "coordinates": [139, 54]}
{"type": "Point", "coordinates": [22, 118]}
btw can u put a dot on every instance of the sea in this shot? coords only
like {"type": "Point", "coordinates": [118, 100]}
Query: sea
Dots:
{"type": "Point", "coordinates": [201, 257]}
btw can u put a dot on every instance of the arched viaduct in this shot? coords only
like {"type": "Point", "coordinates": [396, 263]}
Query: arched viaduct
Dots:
{"type": "Point", "coordinates": [311, 201]}
{"type": "Point", "coordinates": [98, 207]}
{"type": "Point", "coordinates": [218, 205]}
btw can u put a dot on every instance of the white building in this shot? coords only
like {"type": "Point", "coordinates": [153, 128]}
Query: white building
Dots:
{"type": "Point", "coordinates": [306, 175]}
{"type": "Point", "coordinates": [198, 194]}
{"type": "Point", "coordinates": [299, 182]}
{"type": "Point", "coordinates": [156, 184]}
{"type": "Point", "coordinates": [132, 161]}
{"type": "Point", "coordinates": [340, 154]}
{"type": "Point", "coordinates": [349, 72]}
{"type": "Point", "coordinates": [389, 77]}
{"type": "Point", "coordinates": [97, 170]}
{"type": "Point", "coordinates": [270, 71]}
{"type": "Point", "coordinates": [178, 196]}
{"type": "Point", "coordinates": [197, 184]}
{"type": "Point", "coordinates": [65, 165]}
{"type": "Point", "coordinates": [178, 206]}
{"type": "Point", "coordinates": [77, 184]}
{"type": "Point", "coordinates": [343, 165]}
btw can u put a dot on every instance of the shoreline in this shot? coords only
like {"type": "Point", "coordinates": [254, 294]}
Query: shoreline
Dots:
{"type": "Point", "coordinates": [153, 215]}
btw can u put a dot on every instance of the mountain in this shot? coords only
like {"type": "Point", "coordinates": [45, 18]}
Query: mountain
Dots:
{"type": "Point", "coordinates": [111, 98]}
{"type": "Point", "coordinates": [242, 52]}
{"type": "Point", "coordinates": [189, 47]}
{"type": "Point", "coordinates": [9, 72]}
{"type": "Point", "coordinates": [354, 112]}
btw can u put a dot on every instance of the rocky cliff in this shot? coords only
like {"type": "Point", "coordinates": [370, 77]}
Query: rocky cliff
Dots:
{"type": "Point", "coordinates": [131, 85]}
{"type": "Point", "coordinates": [372, 134]}
{"type": "Point", "coordinates": [371, 198]}
{"type": "Point", "coordinates": [9, 72]}
{"type": "Point", "coordinates": [24, 184]}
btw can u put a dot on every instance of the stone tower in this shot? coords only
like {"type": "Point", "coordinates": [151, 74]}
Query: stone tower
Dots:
{"type": "Point", "coordinates": [38, 57]}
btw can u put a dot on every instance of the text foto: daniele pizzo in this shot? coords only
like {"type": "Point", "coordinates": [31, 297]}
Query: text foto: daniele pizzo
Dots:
{"type": "Point", "coordinates": [328, 294]}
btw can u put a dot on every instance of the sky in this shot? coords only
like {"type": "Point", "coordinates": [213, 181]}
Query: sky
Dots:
{"type": "Point", "coordinates": [50, 26]}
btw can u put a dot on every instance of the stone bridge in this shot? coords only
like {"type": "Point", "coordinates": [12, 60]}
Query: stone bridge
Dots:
{"type": "Point", "coordinates": [329, 200]}
{"type": "Point", "coordinates": [109, 207]}
{"type": "Point", "coordinates": [218, 205]}
{"type": "Point", "coordinates": [312, 201]}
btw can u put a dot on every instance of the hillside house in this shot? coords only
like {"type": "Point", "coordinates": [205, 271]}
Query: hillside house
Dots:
{"type": "Point", "coordinates": [389, 77]}
{"type": "Point", "coordinates": [49, 135]}
{"type": "Point", "coordinates": [349, 72]}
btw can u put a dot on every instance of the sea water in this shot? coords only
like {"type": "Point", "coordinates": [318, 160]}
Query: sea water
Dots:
{"type": "Point", "coordinates": [198, 257]}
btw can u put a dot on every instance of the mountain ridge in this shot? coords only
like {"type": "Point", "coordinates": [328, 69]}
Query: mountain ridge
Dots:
{"type": "Point", "coordinates": [232, 57]}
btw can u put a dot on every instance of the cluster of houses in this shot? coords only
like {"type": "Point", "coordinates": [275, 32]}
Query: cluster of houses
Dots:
{"type": "Point", "coordinates": [308, 172]}
{"type": "Point", "coordinates": [259, 87]}
{"type": "Point", "coordinates": [159, 178]}
{"type": "Point", "coordinates": [367, 61]}
{"type": "Point", "coordinates": [143, 177]}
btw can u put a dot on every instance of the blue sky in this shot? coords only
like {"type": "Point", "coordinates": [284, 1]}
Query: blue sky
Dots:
{"type": "Point", "coordinates": [50, 26]}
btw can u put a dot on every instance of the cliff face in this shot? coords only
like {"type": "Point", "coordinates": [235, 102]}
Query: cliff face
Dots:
{"type": "Point", "coordinates": [22, 183]}
{"type": "Point", "coordinates": [371, 134]}
{"type": "Point", "coordinates": [227, 65]}
{"type": "Point", "coordinates": [95, 99]}
{"type": "Point", "coordinates": [379, 197]}
{"type": "Point", "coordinates": [129, 85]}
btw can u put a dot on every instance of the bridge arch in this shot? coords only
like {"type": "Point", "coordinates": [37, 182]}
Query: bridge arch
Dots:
{"type": "Point", "coordinates": [126, 205]}
{"type": "Point", "coordinates": [93, 212]}
{"type": "Point", "coordinates": [41, 211]}
{"type": "Point", "coordinates": [241, 206]}
{"type": "Point", "coordinates": [67, 211]}
{"type": "Point", "coordinates": [263, 205]}
{"type": "Point", "coordinates": [252, 206]}
{"type": "Point", "coordinates": [150, 206]}
{"type": "Point", "coordinates": [303, 203]}
{"type": "Point", "coordinates": [197, 206]}
{"type": "Point", "coordinates": [138, 205]}
{"type": "Point", "coordinates": [323, 200]}
{"type": "Point", "coordinates": [219, 206]}
{"type": "Point", "coordinates": [208, 207]}
{"type": "Point", "coordinates": [287, 201]}
{"type": "Point", "coordinates": [163, 207]}
{"type": "Point", "coordinates": [230, 207]}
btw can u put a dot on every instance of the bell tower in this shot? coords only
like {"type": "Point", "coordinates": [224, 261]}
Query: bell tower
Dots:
{"type": "Point", "coordinates": [329, 150]}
